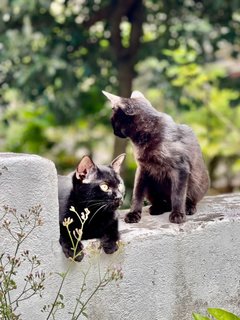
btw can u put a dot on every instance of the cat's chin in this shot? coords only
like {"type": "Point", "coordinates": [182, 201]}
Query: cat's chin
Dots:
{"type": "Point", "coordinates": [120, 135]}
{"type": "Point", "coordinates": [114, 207]}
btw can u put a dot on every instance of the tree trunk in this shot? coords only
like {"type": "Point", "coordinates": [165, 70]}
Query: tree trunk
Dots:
{"type": "Point", "coordinates": [126, 57]}
{"type": "Point", "coordinates": [125, 78]}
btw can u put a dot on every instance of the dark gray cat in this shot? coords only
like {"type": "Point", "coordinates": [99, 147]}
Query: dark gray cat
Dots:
{"type": "Point", "coordinates": [171, 172]}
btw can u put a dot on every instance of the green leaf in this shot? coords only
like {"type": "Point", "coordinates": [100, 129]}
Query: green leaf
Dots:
{"type": "Point", "coordinates": [85, 314]}
{"type": "Point", "coordinates": [197, 316]}
{"type": "Point", "coordinates": [220, 314]}
{"type": "Point", "coordinates": [61, 274]}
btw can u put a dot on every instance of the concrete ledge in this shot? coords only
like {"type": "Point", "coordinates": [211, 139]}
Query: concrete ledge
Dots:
{"type": "Point", "coordinates": [173, 270]}
{"type": "Point", "coordinates": [169, 270]}
{"type": "Point", "coordinates": [28, 181]}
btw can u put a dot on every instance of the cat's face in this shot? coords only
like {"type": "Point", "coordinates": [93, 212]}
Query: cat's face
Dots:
{"type": "Point", "coordinates": [128, 114]}
{"type": "Point", "coordinates": [101, 185]}
{"type": "Point", "coordinates": [122, 123]}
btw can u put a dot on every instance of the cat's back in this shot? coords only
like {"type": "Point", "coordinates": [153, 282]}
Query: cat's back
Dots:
{"type": "Point", "coordinates": [189, 139]}
{"type": "Point", "coordinates": [180, 140]}
{"type": "Point", "coordinates": [175, 132]}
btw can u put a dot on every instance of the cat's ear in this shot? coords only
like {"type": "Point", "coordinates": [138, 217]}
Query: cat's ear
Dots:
{"type": "Point", "coordinates": [118, 102]}
{"type": "Point", "coordinates": [137, 95]}
{"type": "Point", "coordinates": [112, 98]}
{"type": "Point", "coordinates": [84, 166]}
{"type": "Point", "coordinates": [117, 163]}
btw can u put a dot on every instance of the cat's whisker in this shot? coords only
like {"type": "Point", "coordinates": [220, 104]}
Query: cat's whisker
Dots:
{"type": "Point", "coordinates": [89, 205]}
{"type": "Point", "coordinates": [105, 205]}
{"type": "Point", "coordinates": [96, 204]}
{"type": "Point", "coordinates": [88, 201]}
{"type": "Point", "coordinates": [108, 204]}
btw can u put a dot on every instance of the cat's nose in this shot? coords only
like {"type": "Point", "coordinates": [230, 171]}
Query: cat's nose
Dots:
{"type": "Point", "coordinates": [118, 200]}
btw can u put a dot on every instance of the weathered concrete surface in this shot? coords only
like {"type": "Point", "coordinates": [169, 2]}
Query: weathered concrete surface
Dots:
{"type": "Point", "coordinates": [169, 270]}
{"type": "Point", "coordinates": [27, 181]}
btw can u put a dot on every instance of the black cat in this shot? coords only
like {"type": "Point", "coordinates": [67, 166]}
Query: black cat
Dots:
{"type": "Point", "coordinates": [171, 172]}
{"type": "Point", "coordinates": [95, 192]}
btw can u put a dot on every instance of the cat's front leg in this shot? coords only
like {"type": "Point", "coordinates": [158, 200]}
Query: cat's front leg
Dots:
{"type": "Point", "coordinates": [178, 196]}
{"type": "Point", "coordinates": [69, 251]}
{"type": "Point", "coordinates": [110, 238]}
{"type": "Point", "coordinates": [134, 215]}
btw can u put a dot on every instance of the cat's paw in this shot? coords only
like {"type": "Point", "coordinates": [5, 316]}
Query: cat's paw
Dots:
{"type": "Point", "coordinates": [190, 209]}
{"type": "Point", "coordinates": [78, 257]}
{"type": "Point", "coordinates": [69, 253]}
{"type": "Point", "coordinates": [110, 247]}
{"type": "Point", "coordinates": [133, 217]}
{"type": "Point", "coordinates": [177, 217]}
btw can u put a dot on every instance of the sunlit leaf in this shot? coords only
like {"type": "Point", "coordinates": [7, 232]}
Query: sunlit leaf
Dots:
{"type": "Point", "coordinates": [197, 316]}
{"type": "Point", "coordinates": [221, 314]}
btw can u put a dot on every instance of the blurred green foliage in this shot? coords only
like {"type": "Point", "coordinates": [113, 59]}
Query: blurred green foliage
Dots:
{"type": "Point", "coordinates": [56, 56]}
{"type": "Point", "coordinates": [212, 110]}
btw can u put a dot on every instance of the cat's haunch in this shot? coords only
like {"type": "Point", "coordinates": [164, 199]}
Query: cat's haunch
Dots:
{"type": "Point", "coordinates": [171, 172]}
{"type": "Point", "coordinates": [88, 201]}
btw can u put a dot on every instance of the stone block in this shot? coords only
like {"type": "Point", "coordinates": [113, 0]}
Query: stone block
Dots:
{"type": "Point", "coordinates": [169, 270]}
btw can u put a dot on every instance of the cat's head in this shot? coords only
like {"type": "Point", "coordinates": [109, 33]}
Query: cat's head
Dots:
{"type": "Point", "coordinates": [128, 112]}
{"type": "Point", "coordinates": [101, 184]}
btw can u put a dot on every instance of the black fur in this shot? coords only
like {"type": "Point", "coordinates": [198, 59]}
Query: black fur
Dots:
{"type": "Point", "coordinates": [171, 172]}
{"type": "Point", "coordinates": [86, 192]}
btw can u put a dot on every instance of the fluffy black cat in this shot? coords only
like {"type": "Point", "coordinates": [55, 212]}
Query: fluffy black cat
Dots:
{"type": "Point", "coordinates": [95, 191]}
{"type": "Point", "coordinates": [171, 172]}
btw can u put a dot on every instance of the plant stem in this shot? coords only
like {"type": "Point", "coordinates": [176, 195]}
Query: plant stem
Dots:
{"type": "Point", "coordinates": [102, 284]}
{"type": "Point", "coordinates": [4, 276]}
{"type": "Point", "coordinates": [11, 273]}
{"type": "Point", "coordinates": [82, 289]}
{"type": "Point", "coordinates": [24, 289]}
{"type": "Point", "coordinates": [58, 293]}
{"type": "Point", "coordinates": [5, 298]}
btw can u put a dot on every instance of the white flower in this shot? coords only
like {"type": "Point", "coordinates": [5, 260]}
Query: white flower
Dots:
{"type": "Point", "coordinates": [83, 216]}
{"type": "Point", "coordinates": [87, 211]}
{"type": "Point", "coordinates": [72, 209]}
{"type": "Point", "coordinates": [67, 222]}
{"type": "Point", "coordinates": [77, 234]}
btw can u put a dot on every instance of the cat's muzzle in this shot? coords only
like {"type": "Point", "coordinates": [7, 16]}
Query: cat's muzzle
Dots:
{"type": "Point", "coordinates": [118, 201]}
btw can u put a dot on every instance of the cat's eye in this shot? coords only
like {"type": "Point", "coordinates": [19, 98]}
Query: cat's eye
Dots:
{"type": "Point", "coordinates": [104, 187]}
{"type": "Point", "coordinates": [121, 187]}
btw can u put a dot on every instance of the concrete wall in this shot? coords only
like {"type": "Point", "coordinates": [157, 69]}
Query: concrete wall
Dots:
{"type": "Point", "coordinates": [169, 270]}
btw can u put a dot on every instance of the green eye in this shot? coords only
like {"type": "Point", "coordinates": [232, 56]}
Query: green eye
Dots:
{"type": "Point", "coordinates": [104, 187]}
